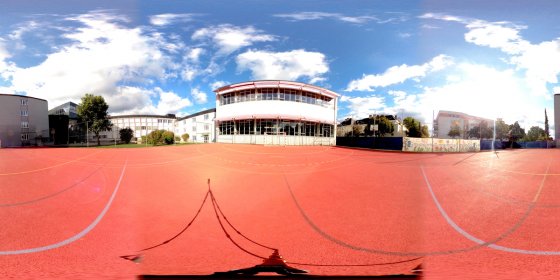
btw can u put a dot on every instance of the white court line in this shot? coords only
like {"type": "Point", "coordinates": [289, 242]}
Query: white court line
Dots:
{"type": "Point", "coordinates": [77, 236]}
{"type": "Point", "coordinates": [485, 243]}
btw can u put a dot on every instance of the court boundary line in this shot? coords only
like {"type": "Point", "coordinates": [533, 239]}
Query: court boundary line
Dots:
{"type": "Point", "coordinates": [492, 245]}
{"type": "Point", "coordinates": [77, 236]}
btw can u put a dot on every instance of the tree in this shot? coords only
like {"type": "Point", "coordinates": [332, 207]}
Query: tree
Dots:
{"type": "Point", "coordinates": [168, 137]}
{"type": "Point", "coordinates": [535, 133]}
{"type": "Point", "coordinates": [455, 130]}
{"type": "Point", "coordinates": [93, 111]}
{"type": "Point", "coordinates": [413, 127]}
{"type": "Point", "coordinates": [126, 134]}
{"type": "Point", "coordinates": [481, 131]}
{"type": "Point", "coordinates": [516, 132]}
{"type": "Point", "coordinates": [546, 128]}
{"type": "Point", "coordinates": [425, 133]}
{"type": "Point", "coordinates": [185, 137]}
{"type": "Point", "coordinates": [155, 137]}
{"type": "Point", "coordinates": [384, 126]}
{"type": "Point", "coordinates": [502, 129]}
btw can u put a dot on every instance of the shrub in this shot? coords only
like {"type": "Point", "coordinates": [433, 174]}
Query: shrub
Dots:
{"type": "Point", "coordinates": [168, 137]}
{"type": "Point", "coordinates": [185, 137]}
{"type": "Point", "coordinates": [126, 134]}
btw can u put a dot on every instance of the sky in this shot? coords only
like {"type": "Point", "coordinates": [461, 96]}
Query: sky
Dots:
{"type": "Point", "coordinates": [493, 59]}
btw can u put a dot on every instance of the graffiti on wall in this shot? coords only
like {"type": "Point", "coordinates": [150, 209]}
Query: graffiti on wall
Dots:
{"type": "Point", "coordinates": [439, 145]}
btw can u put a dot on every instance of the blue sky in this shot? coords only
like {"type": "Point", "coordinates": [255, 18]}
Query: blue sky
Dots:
{"type": "Point", "coordinates": [412, 58]}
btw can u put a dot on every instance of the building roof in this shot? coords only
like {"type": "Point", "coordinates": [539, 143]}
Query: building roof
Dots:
{"type": "Point", "coordinates": [213, 110]}
{"type": "Point", "coordinates": [276, 83]}
{"type": "Point", "coordinates": [168, 116]}
{"type": "Point", "coordinates": [19, 95]}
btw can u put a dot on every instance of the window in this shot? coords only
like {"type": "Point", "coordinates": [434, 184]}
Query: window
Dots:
{"type": "Point", "coordinates": [24, 136]}
{"type": "Point", "coordinates": [24, 124]}
{"type": "Point", "coordinates": [206, 117]}
{"type": "Point", "coordinates": [23, 102]}
{"type": "Point", "coordinates": [194, 128]}
{"type": "Point", "coordinates": [206, 127]}
{"type": "Point", "coordinates": [24, 113]}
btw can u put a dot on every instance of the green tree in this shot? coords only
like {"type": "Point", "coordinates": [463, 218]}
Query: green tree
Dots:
{"type": "Point", "coordinates": [516, 132]}
{"type": "Point", "coordinates": [455, 130]}
{"type": "Point", "coordinates": [168, 137]}
{"type": "Point", "coordinates": [126, 134]}
{"type": "Point", "coordinates": [535, 133]}
{"type": "Point", "coordinates": [93, 111]}
{"type": "Point", "coordinates": [502, 129]}
{"type": "Point", "coordinates": [156, 137]}
{"type": "Point", "coordinates": [413, 127]}
{"type": "Point", "coordinates": [185, 137]}
{"type": "Point", "coordinates": [481, 131]}
{"type": "Point", "coordinates": [425, 133]}
{"type": "Point", "coordinates": [384, 126]}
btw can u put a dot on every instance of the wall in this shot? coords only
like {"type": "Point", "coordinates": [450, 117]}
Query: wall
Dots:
{"type": "Point", "coordinates": [439, 145]}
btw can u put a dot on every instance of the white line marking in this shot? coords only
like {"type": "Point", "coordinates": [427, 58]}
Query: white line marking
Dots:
{"type": "Point", "coordinates": [482, 242]}
{"type": "Point", "coordinates": [77, 236]}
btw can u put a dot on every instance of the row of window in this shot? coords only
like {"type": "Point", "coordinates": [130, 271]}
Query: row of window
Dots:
{"type": "Point", "coordinates": [276, 127]}
{"type": "Point", "coordinates": [275, 94]}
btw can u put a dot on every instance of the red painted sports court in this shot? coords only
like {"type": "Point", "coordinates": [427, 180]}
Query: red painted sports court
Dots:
{"type": "Point", "coordinates": [70, 213]}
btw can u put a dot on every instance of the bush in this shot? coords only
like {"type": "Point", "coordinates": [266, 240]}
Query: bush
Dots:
{"type": "Point", "coordinates": [168, 137]}
{"type": "Point", "coordinates": [126, 134]}
{"type": "Point", "coordinates": [177, 139]}
{"type": "Point", "coordinates": [185, 137]}
{"type": "Point", "coordinates": [156, 137]}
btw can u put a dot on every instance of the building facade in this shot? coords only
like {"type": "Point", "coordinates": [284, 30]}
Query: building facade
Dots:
{"type": "Point", "coordinates": [445, 120]}
{"type": "Point", "coordinates": [23, 120]}
{"type": "Point", "coordinates": [276, 113]}
{"type": "Point", "coordinates": [199, 126]}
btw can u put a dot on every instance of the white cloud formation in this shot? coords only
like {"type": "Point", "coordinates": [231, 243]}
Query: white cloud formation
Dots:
{"type": "Point", "coordinates": [105, 58]}
{"type": "Point", "coordinates": [399, 74]}
{"type": "Point", "coordinates": [540, 62]}
{"type": "Point", "coordinates": [229, 38]}
{"type": "Point", "coordinates": [361, 107]}
{"type": "Point", "coordinates": [167, 19]}
{"type": "Point", "coordinates": [290, 65]}
{"type": "Point", "coordinates": [481, 91]}
{"type": "Point", "coordinates": [199, 96]}
{"type": "Point", "coordinates": [301, 16]}
{"type": "Point", "coordinates": [218, 84]}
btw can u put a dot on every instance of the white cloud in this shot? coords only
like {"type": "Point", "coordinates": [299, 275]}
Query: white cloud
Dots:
{"type": "Point", "coordinates": [194, 54]}
{"type": "Point", "coordinates": [540, 62]}
{"type": "Point", "coordinates": [101, 58]}
{"type": "Point", "coordinates": [167, 19]}
{"type": "Point", "coordinates": [301, 16]}
{"type": "Point", "coordinates": [229, 38]}
{"type": "Point", "coordinates": [199, 96]}
{"type": "Point", "coordinates": [136, 100]}
{"type": "Point", "coordinates": [170, 102]}
{"type": "Point", "coordinates": [399, 74]}
{"type": "Point", "coordinates": [290, 65]}
{"type": "Point", "coordinates": [362, 107]}
{"type": "Point", "coordinates": [218, 84]}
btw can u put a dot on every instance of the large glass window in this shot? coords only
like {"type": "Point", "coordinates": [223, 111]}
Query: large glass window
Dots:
{"type": "Point", "coordinates": [275, 94]}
